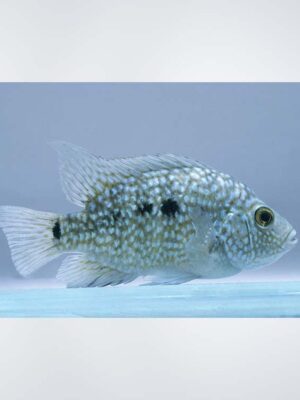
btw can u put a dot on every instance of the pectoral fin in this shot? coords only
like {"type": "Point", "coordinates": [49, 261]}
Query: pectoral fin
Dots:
{"type": "Point", "coordinates": [205, 232]}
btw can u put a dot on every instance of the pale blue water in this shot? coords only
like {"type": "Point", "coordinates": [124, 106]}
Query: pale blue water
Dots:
{"type": "Point", "coordinates": [274, 299]}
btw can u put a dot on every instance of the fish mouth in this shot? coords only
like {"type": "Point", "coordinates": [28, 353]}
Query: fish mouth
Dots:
{"type": "Point", "coordinates": [290, 240]}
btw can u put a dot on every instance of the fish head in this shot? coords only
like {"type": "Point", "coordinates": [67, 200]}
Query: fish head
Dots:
{"type": "Point", "coordinates": [257, 236]}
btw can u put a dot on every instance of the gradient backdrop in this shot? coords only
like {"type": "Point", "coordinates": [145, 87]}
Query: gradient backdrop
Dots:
{"type": "Point", "coordinates": [250, 131]}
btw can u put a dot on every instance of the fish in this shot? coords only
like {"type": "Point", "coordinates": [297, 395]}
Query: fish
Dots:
{"type": "Point", "coordinates": [165, 218]}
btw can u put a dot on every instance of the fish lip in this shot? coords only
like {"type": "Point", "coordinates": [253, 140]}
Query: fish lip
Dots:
{"type": "Point", "coordinates": [290, 240]}
{"type": "Point", "coordinates": [292, 237]}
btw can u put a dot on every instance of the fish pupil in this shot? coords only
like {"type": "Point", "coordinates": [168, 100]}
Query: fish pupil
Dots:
{"type": "Point", "coordinates": [56, 230]}
{"type": "Point", "coordinates": [170, 207]}
{"type": "Point", "coordinates": [266, 217]}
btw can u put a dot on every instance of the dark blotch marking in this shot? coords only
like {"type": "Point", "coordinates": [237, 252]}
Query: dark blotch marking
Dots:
{"type": "Point", "coordinates": [116, 215]}
{"type": "Point", "coordinates": [56, 230]}
{"type": "Point", "coordinates": [145, 208]}
{"type": "Point", "coordinates": [170, 208]}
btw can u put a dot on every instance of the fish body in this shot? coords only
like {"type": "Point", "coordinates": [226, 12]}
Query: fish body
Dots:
{"type": "Point", "coordinates": [167, 217]}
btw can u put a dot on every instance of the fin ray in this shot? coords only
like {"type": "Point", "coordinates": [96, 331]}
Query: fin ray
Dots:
{"type": "Point", "coordinates": [78, 172]}
{"type": "Point", "coordinates": [79, 271]}
{"type": "Point", "coordinates": [82, 173]}
{"type": "Point", "coordinates": [174, 278]}
{"type": "Point", "coordinates": [29, 236]}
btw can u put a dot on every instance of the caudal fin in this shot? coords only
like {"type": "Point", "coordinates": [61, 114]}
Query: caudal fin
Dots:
{"type": "Point", "coordinates": [30, 237]}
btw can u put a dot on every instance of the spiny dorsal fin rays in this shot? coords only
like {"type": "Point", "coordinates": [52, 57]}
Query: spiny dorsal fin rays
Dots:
{"type": "Point", "coordinates": [143, 164]}
{"type": "Point", "coordinates": [82, 173]}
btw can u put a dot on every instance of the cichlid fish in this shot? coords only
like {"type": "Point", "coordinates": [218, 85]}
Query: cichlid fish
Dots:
{"type": "Point", "coordinates": [163, 216]}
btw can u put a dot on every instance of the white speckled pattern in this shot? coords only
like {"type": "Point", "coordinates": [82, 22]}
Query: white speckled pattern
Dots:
{"type": "Point", "coordinates": [117, 228]}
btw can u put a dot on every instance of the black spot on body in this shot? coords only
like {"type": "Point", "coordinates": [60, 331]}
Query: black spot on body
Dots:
{"type": "Point", "coordinates": [56, 230]}
{"type": "Point", "coordinates": [145, 208]}
{"type": "Point", "coordinates": [170, 207]}
{"type": "Point", "coordinates": [116, 215]}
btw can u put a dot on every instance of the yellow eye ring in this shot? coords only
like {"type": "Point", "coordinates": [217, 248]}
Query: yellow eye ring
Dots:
{"type": "Point", "coordinates": [264, 216]}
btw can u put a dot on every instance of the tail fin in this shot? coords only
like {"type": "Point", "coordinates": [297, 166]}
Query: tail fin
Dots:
{"type": "Point", "coordinates": [30, 237]}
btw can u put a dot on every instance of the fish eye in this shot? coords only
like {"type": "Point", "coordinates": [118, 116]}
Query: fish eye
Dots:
{"type": "Point", "coordinates": [264, 216]}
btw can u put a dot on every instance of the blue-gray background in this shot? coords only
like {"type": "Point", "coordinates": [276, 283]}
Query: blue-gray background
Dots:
{"type": "Point", "coordinates": [250, 131]}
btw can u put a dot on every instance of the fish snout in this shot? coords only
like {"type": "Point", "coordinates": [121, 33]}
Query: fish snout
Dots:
{"type": "Point", "coordinates": [291, 239]}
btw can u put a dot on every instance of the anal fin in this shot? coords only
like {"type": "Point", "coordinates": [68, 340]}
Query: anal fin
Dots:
{"type": "Point", "coordinates": [79, 271]}
{"type": "Point", "coordinates": [112, 277]}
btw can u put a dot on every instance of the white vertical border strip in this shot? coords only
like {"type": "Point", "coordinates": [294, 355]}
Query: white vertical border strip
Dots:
{"type": "Point", "coordinates": [149, 41]}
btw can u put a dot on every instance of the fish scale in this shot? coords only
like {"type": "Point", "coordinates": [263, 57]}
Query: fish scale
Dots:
{"type": "Point", "coordinates": [165, 216]}
{"type": "Point", "coordinates": [142, 240]}
{"type": "Point", "coordinates": [136, 242]}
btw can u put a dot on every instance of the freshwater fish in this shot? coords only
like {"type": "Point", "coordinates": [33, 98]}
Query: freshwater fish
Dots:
{"type": "Point", "coordinates": [165, 217]}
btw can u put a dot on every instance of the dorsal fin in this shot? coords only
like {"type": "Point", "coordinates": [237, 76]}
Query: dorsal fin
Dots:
{"type": "Point", "coordinates": [80, 172]}
{"type": "Point", "coordinates": [83, 173]}
{"type": "Point", "coordinates": [138, 165]}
